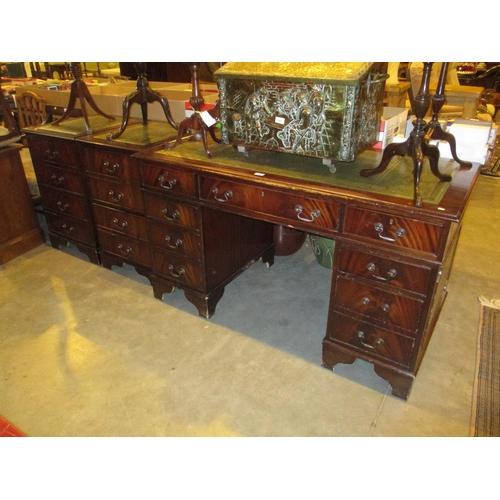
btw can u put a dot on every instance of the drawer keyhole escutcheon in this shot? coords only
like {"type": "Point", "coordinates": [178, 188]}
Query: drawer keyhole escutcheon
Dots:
{"type": "Point", "coordinates": [166, 185]}
{"type": "Point", "coordinates": [126, 251]}
{"type": "Point", "coordinates": [123, 224]}
{"type": "Point", "coordinates": [226, 196]}
{"type": "Point", "coordinates": [314, 214]}
{"type": "Point", "coordinates": [175, 215]}
{"type": "Point", "coordinates": [111, 168]}
{"type": "Point", "coordinates": [391, 274]}
{"type": "Point", "coordinates": [362, 337]}
{"type": "Point", "coordinates": [379, 227]}
{"type": "Point", "coordinates": [174, 273]}
{"type": "Point", "coordinates": [114, 196]}
{"type": "Point", "coordinates": [176, 245]}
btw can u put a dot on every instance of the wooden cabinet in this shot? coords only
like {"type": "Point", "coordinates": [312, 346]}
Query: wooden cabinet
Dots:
{"type": "Point", "coordinates": [19, 228]}
{"type": "Point", "coordinates": [63, 185]}
{"type": "Point", "coordinates": [387, 292]}
{"type": "Point", "coordinates": [194, 247]}
{"type": "Point", "coordinates": [116, 195]}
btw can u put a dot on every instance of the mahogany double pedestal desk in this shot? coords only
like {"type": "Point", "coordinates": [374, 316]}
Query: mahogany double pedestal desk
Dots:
{"type": "Point", "coordinates": [194, 223]}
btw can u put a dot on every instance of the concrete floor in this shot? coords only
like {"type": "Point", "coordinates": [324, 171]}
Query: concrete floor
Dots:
{"type": "Point", "coordinates": [85, 351]}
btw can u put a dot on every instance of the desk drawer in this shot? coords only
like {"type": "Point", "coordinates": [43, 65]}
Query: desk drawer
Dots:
{"type": "Point", "coordinates": [178, 269]}
{"type": "Point", "coordinates": [117, 194]}
{"type": "Point", "coordinates": [164, 209]}
{"type": "Point", "coordinates": [125, 248]}
{"type": "Point", "coordinates": [290, 209]}
{"type": "Point", "coordinates": [393, 230]}
{"type": "Point", "coordinates": [114, 165]}
{"type": "Point", "coordinates": [60, 178]}
{"type": "Point", "coordinates": [382, 306]}
{"type": "Point", "coordinates": [384, 270]}
{"type": "Point", "coordinates": [52, 149]}
{"type": "Point", "coordinates": [169, 180]}
{"type": "Point", "coordinates": [177, 240]}
{"type": "Point", "coordinates": [74, 229]}
{"type": "Point", "coordinates": [63, 203]}
{"type": "Point", "coordinates": [122, 222]}
{"type": "Point", "coordinates": [372, 340]}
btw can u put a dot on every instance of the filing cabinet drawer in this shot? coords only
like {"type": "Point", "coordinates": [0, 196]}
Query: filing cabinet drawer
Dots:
{"type": "Point", "coordinates": [114, 165]}
{"type": "Point", "coordinates": [178, 269]}
{"type": "Point", "coordinates": [384, 270]}
{"type": "Point", "coordinates": [169, 180]}
{"type": "Point", "coordinates": [393, 230]}
{"type": "Point", "coordinates": [166, 210]}
{"type": "Point", "coordinates": [117, 194]}
{"type": "Point", "coordinates": [380, 305]}
{"type": "Point", "coordinates": [290, 209]}
{"type": "Point", "coordinates": [52, 149]}
{"type": "Point", "coordinates": [63, 203]}
{"type": "Point", "coordinates": [125, 248]}
{"type": "Point", "coordinates": [177, 240]}
{"type": "Point", "coordinates": [60, 178]}
{"type": "Point", "coordinates": [372, 340]}
{"type": "Point", "coordinates": [122, 222]}
{"type": "Point", "coordinates": [74, 229]}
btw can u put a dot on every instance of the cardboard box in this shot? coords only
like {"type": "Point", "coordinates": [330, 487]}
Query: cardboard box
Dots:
{"type": "Point", "coordinates": [392, 124]}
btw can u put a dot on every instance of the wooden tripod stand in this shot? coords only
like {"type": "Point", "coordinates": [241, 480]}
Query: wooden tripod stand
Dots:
{"type": "Point", "coordinates": [194, 127]}
{"type": "Point", "coordinates": [143, 94]}
{"type": "Point", "coordinates": [79, 90]}
{"type": "Point", "coordinates": [417, 145]}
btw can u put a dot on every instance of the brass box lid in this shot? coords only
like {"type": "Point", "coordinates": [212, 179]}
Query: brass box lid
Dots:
{"type": "Point", "coordinates": [344, 73]}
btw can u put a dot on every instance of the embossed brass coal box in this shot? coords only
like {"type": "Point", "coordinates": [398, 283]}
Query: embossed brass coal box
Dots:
{"type": "Point", "coordinates": [327, 110]}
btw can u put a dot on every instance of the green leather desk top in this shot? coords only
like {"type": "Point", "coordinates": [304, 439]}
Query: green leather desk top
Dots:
{"type": "Point", "coordinates": [396, 180]}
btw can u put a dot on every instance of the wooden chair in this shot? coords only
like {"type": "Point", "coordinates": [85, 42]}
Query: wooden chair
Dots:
{"type": "Point", "coordinates": [31, 109]}
{"type": "Point", "coordinates": [9, 128]}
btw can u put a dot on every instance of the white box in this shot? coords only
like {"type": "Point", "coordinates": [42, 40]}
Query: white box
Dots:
{"type": "Point", "coordinates": [392, 124]}
{"type": "Point", "coordinates": [470, 133]}
{"type": "Point", "coordinates": [467, 153]}
{"type": "Point", "coordinates": [472, 139]}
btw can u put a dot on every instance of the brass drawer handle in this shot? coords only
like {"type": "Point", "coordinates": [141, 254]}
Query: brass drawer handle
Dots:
{"type": "Point", "coordinates": [174, 273]}
{"type": "Point", "coordinates": [117, 223]}
{"type": "Point", "coordinates": [67, 229]}
{"type": "Point", "coordinates": [52, 154]}
{"type": "Point", "coordinates": [62, 207]}
{"type": "Point", "coordinates": [174, 216]}
{"type": "Point", "coordinates": [171, 183]}
{"type": "Point", "coordinates": [176, 245]}
{"type": "Point", "coordinates": [57, 180]}
{"type": "Point", "coordinates": [111, 168]}
{"type": "Point", "coordinates": [379, 227]}
{"type": "Point", "coordinates": [227, 195]}
{"type": "Point", "coordinates": [385, 307]}
{"type": "Point", "coordinates": [114, 196]}
{"type": "Point", "coordinates": [314, 214]}
{"type": "Point", "coordinates": [123, 250]}
{"type": "Point", "coordinates": [391, 274]}
{"type": "Point", "coordinates": [376, 342]}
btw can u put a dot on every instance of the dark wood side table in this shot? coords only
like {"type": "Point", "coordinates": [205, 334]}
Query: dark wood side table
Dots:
{"type": "Point", "coordinates": [19, 227]}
